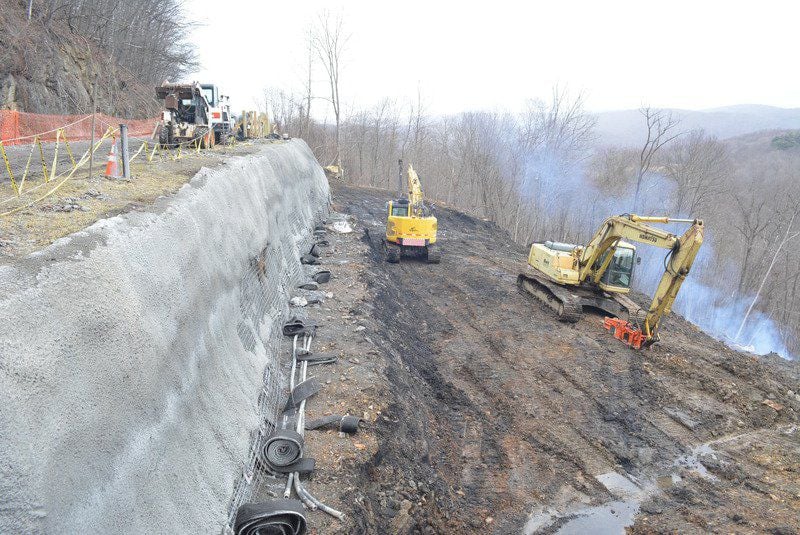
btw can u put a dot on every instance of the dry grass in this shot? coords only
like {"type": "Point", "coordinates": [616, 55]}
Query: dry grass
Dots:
{"type": "Point", "coordinates": [41, 224]}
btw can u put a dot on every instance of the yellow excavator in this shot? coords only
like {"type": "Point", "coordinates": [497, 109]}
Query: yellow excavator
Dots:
{"type": "Point", "coordinates": [569, 277]}
{"type": "Point", "coordinates": [410, 227]}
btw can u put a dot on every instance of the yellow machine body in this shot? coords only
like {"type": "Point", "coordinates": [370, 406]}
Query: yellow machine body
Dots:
{"type": "Point", "coordinates": [562, 266]}
{"type": "Point", "coordinates": [403, 228]}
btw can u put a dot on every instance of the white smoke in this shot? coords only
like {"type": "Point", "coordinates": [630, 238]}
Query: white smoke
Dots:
{"type": "Point", "coordinates": [559, 188]}
{"type": "Point", "coordinates": [717, 312]}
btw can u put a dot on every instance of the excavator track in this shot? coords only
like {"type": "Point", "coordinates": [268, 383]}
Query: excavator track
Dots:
{"type": "Point", "coordinates": [433, 254]}
{"type": "Point", "coordinates": [636, 314]}
{"type": "Point", "coordinates": [567, 307]}
{"type": "Point", "coordinates": [568, 301]}
{"type": "Point", "coordinates": [392, 251]}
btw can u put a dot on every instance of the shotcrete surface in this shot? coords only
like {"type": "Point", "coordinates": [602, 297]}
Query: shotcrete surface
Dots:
{"type": "Point", "coordinates": [131, 359]}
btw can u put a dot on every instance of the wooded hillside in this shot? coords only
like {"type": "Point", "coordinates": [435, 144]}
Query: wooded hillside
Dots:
{"type": "Point", "coordinates": [54, 51]}
{"type": "Point", "coordinates": [545, 174]}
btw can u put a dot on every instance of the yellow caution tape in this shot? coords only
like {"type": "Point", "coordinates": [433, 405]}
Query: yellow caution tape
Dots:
{"type": "Point", "coordinates": [135, 154]}
{"type": "Point", "coordinates": [69, 150]}
{"type": "Point", "coordinates": [41, 154]}
{"type": "Point", "coordinates": [81, 162]}
{"type": "Point", "coordinates": [55, 159]}
{"type": "Point", "coordinates": [27, 167]}
{"type": "Point", "coordinates": [8, 168]}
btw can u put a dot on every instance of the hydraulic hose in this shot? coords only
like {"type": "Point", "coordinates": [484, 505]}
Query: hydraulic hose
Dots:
{"type": "Point", "coordinates": [294, 478]}
{"type": "Point", "coordinates": [278, 517]}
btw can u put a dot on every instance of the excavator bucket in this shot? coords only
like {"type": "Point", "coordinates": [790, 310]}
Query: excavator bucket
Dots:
{"type": "Point", "coordinates": [625, 331]}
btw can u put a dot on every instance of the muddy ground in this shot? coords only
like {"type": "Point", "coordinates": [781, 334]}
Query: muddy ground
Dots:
{"type": "Point", "coordinates": [486, 414]}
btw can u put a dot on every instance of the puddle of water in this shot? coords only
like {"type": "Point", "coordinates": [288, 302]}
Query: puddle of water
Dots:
{"type": "Point", "coordinates": [539, 521]}
{"type": "Point", "coordinates": [610, 518]}
{"type": "Point", "coordinates": [629, 493]}
{"type": "Point", "coordinates": [607, 519]}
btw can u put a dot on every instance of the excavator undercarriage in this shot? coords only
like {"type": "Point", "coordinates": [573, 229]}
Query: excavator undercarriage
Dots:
{"type": "Point", "coordinates": [394, 252]}
{"type": "Point", "coordinates": [568, 302]}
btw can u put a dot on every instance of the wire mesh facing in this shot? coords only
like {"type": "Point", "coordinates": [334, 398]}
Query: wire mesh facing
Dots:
{"type": "Point", "coordinates": [265, 288]}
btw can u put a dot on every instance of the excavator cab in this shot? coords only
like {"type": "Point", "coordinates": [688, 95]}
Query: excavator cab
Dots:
{"type": "Point", "coordinates": [618, 276]}
{"type": "Point", "coordinates": [399, 208]}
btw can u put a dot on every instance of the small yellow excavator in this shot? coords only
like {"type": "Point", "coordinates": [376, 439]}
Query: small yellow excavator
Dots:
{"type": "Point", "coordinates": [569, 277]}
{"type": "Point", "coordinates": [410, 227]}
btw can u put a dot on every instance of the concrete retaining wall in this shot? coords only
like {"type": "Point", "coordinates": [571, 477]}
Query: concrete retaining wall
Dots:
{"type": "Point", "coordinates": [133, 354]}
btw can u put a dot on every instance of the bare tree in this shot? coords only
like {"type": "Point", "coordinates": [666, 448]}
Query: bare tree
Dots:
{"type": "Point", "coordinates": [753, 220]}
{"type": "Point", "coordinates": [611, 168]}
{"type": "Point", "coordinates": [660, 131]}
{"type": "Point", "coordinates": [788, 235]}
{"type": "Point", "coordinates": [554, 138]}
{"type": "Point", "coordinates": [308, 85]}
{"type": "Point", "coordinates": [699, 166]}
{"type": "Point", "coordinates": [133, 45]}
{"type": "Point", "coordinates": [329, 42]}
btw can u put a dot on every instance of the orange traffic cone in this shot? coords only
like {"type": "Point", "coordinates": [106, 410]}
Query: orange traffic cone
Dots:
{"type": "Point", "coordinates": [111, 165]}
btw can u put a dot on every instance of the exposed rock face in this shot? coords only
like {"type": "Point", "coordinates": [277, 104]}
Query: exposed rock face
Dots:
{"type": "Point", "coordinates": [53, 71]}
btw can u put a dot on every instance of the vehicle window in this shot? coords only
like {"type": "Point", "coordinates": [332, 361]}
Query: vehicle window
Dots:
{"type": "Point", "coordinates": [621, 268]}
{"type": "Point", "coordinates": [208, 92]}
{"type": "Point", "coordinates": [400, 210]}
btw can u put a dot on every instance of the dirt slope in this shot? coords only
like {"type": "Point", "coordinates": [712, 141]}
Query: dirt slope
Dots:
{"type": "Point", "coordinates": [496, 416]}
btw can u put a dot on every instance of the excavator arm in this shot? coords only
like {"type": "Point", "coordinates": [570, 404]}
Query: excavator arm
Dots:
{"type": "Point", "coordinates": [630, 228]}
{"type": "Point", "coordinates": [414, 188]}
{"type": "Point", "coordinates": [681, 255]}
{"type": "Point", "coordinates": [678, 264]}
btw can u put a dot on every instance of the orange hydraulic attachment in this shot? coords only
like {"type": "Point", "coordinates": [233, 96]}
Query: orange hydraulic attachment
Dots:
{"type": "Point", "coordinates": [625, 331]}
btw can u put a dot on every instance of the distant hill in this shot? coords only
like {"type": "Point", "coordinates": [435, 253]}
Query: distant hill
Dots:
{"type": "Point", "coordinates": [626, 127]}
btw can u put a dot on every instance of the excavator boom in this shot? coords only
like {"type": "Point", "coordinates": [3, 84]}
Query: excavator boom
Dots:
{"type": "Point", "coordinates": [628, 228]}
{"type": "Point", "coordinates": [414, 187]}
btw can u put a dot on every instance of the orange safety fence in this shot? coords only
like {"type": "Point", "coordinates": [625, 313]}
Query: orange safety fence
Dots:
{"type": "Point", "coordinates": [21, 128]}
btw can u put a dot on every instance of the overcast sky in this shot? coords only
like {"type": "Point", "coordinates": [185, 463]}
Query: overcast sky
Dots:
{"type": "Point", "coordinates": [495, 54]}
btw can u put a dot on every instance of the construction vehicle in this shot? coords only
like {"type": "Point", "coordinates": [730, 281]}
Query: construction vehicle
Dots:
{"type": "Point", "coordinates": [569, 277]}
{"type": "Point", "coordinates": [410, 227]}
{"type": "Point", "coordinates": [253, 125]}
{"type": "Point", "coordinates": [221, 120]}
{"type": "Point", "coordinates": [194, 114]}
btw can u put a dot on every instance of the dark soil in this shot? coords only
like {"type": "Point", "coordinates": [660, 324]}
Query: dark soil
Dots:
{"type": "Point", "coordinates": [490, 414]}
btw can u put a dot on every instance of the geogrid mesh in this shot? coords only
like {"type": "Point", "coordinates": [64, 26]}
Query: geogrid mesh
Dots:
{"type": "Point", "coordinates": [266, 287]}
